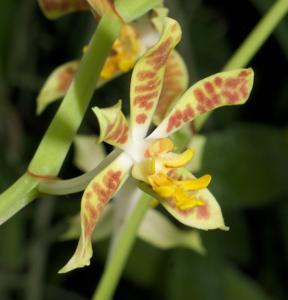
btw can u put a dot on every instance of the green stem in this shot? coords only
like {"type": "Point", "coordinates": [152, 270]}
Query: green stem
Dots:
{"type": "Point", "coordinates": [252, 44]}
{"type": "Point", "coordinates": [258, 36]}
{"type": "Point", "coordinates": [76, 184]}
{"type": "Point", "coordinates": [115, 266]}
{"type": "Point", "coordinates": [22, 192]}
{"type": "Point", "coordinates": [55, 144]}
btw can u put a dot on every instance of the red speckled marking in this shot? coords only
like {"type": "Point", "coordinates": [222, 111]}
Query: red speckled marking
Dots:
{"type": "Point", "coordinates": [143, 75]}
{"type": "Point", "coordinates": [124, 136]}
{"type": "Point", "coordinates": [180, 117]}
{"type": "Point", "coordinates": [202, 212]}
{"type": "Point", "coordinates": [65, 77]}
{"type": "Point", "coordinates": [118, 134]}
{"type": "Point", "coordinates": [105, 191]}
{"type": "Point", "coordinates": [209, 87]}
{"type": "Point", "coordinates": [230, 96]}
{"type": "Point", "coordinates": [218, 81]}
{"type": "Point", "coordinates": [244, 89]}
{"type": "Point", "coordinates": [91, 209]}
{"type": "Point", "coordinates": [159, 56]}
{"type": "Point", "coordinates": [244, 73]}
{"type": "Point", "coordinates": [141, 118]}
{"type": "Point", "coordinates": [172, 87]}
{"type": "Point", "coordinates": [150, 85]}
{"type": "Point", "coordinates": [89, 226]}
{"type": "Point", "coordinates": [232, 83]}
{"type": "Point", "coordinates": [205, 102]}
{"type": "Point", "coordinates": [145, 101]}
{"type": "Point", "coordinates": [200, 95]}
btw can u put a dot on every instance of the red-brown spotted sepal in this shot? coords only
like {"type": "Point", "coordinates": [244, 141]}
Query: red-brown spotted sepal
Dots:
{"type": "Point", "coordinates": [114, 128]}
{"type": "Point", "coordinates": [53, 9]}
{"type": "Point", "coordinates": [147, 78]}
{"type": "Point", "coordinates": [174, 85]}
{"type": "Point", "coordinates": [96, 196]}
{"type": "Point", "coordinates": [226, 88]}
{"type": "Point", "coordinates": [56, 85]}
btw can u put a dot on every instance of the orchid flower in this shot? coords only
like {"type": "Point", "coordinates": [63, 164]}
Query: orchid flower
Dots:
{"type": "Point", "coordinates": [135, 38]}
{"type": "Point", "coordinates": [150, 159]}
{"type": "Point", "coordinates": [155, 228]}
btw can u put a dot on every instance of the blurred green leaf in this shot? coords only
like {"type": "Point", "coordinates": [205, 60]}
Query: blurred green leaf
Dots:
{"type": "Point", "coordinates": [234, 244]}
{"type": "Point", "coordinates": [237, 286]}
{"type": "Point", "coordinates": [12, 237]}
{"type": "Point", "coordinates": [248, 164]}
{"type": "Point", "coordinates": [205, 278]}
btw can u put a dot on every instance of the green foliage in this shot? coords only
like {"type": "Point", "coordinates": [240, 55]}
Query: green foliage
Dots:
{"type": "Point", "coordinates": [249, 165]}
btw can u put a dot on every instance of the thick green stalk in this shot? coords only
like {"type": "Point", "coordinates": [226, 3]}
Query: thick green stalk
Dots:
{"type": "Point", "coordinates": [116, 264]}
{"type": "Point", "coordinates": [22, 192]}
{"type": "Point", "coordinates": [55, 144]}
{"type": "Point", "coordinates": [252, 44]}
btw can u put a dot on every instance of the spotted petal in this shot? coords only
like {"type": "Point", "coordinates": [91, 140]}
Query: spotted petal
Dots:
{"type": "Point", "coordinates": [54, 9]}
{"type": "Point", "coordinates": [207, 216]}
{"type": "Point", "coordinates": [174, 84]}
{"type": "Point", "coordinates": [147, 78]}
{"type": "Point", "coordinates": [226, 88]}
{"type": "Point", "coordinates": [114, 128]}
{"type": "Point", "coordinates": [56, 85]}
{"type": "Point", "coordinates": [97, 194]}
{"type": "Point", "coordinates": [58, 82]}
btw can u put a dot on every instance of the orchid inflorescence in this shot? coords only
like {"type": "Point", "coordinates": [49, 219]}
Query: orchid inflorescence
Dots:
{"type": "Point", "coordinates": [150, 159]}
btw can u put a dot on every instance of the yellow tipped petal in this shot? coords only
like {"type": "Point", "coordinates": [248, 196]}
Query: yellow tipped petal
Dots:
{"type": "Point", "coordinates": [179, 160]}
{"type": "Point", "coordinates": [81, 257]}
{"type": "Point", "coordinates": [195, 184]}
{"type": "Point", "coordinates": [95, 198]}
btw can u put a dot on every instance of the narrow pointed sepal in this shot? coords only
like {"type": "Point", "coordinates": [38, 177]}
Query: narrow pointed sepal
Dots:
{"type": "Point", "coordinates": [225, 88]}
{"type": "Point", "coordinates": [114, 128]}
{"type": "Point", "coordinates": [54, 9]}
{"type": "Point", "coordinates": [174, 85]}
{"type": "Point", "coordinates": [96, 196]}
{"type": "Point", "coordinates": [206, 216]}
{"type": "Point", "coordinates": [147, 78]}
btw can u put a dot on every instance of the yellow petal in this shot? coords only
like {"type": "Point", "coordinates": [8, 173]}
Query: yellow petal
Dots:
{"type": "Point", "coordinates": [195, 184]}
{"type": "Point", "coordinates": [179, 160]}
{"type": "Point", "coordinates": [164, 191]}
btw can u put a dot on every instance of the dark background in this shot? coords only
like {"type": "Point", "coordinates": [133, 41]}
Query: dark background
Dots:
{"type": "Point", "coordinates": [246, 153]}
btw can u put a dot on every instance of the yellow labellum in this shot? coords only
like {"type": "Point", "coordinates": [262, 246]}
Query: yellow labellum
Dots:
{"type": "Point", "coordinates": [178, 160]}
{"type": "Point", "coordinates": [180, 191]}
